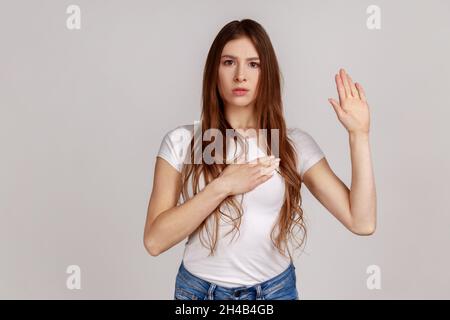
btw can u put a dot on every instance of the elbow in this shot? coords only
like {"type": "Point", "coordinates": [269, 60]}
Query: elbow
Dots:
{"type": "Point", "coordinates": [365, 227]}
{"type": "Point", "coordinates": [152, 248]}
{"type": "Point", "coordinates": [366, 231]}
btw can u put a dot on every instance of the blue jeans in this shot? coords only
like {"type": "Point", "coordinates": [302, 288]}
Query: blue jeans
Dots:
{"type": "Point", "coordinates": [280, 287]}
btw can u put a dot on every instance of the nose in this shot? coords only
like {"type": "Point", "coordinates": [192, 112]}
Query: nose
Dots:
{"type": "Point", "coordinates": [240, 75]}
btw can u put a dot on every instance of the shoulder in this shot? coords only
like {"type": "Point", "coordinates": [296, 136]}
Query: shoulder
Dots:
{"type": "Point", "coordinates": [295, 131]}
{"type": "Point", "coordinates": [180, 133]}
{"type": "Point", "coordinates": [306, 147]}
{"type": "Point", "coordinates": [299, 136]}
{"type": "Point", "coordinates": [175, 144]}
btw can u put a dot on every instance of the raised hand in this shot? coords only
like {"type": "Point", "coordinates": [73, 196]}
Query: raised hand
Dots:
{"type": "Point", "coordinates": [352, 109]}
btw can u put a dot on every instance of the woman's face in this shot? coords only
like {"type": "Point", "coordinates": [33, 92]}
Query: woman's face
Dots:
{"type": "Point", "coordinates": [239, 68]}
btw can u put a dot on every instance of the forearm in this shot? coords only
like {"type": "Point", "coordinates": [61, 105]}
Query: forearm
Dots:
{"type": "Point", "coordinates": [362, 191]}
{"type": "Point", "coordinates": [175, 224]}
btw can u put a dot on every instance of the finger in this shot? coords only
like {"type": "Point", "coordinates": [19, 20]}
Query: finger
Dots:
{"type": "Point", "coordinates": [337, 108]}
{"type": "Point", "coordinates": [265, 158]}
{"type": "Point", "coordinates": [362, 94]}
{"type": "Point", "coordinates": [269, 170]}
{"type": "Point", "coordinates": [261, 159]}
{"type": "Point", "coordinates": [352, 87]}
{"type": "Point", "coordinates": [344, 80]}
{"type": "Point", "coordinates": [257, 167]}
{"type": "Point", "coordinates": [272, 162]}
{"type": "Point", "coordinates": [263, 179]}
{"type": "Point", "coordinates": [340, 88]}
{"type": "Point", "coordinates": [268, 162]}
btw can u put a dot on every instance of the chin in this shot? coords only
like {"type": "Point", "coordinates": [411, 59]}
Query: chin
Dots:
{"type": "Point", "coordinates": [242, 104]}
{"type": "Point", "coordinates": [242, 100]}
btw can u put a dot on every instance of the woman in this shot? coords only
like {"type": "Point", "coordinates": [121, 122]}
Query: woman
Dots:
{"type": "Point", "coordinates": [250, 189]}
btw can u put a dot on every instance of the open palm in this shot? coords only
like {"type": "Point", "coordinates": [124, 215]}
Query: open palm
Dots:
{"type": "Point", "coordinates": [352, 109]}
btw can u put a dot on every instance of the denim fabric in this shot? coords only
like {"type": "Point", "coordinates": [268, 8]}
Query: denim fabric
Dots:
{"type": "Point", "coordinates": [280, 287]}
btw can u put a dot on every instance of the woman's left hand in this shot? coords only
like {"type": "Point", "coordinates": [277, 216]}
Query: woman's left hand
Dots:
{"type": "Point", "coordinates": [352, 109]}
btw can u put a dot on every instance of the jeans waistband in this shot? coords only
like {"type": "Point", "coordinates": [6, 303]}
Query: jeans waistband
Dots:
{"type": "Point", "coordinates": [259, 288]}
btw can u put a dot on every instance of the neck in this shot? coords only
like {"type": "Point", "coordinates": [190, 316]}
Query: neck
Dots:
{"type": "Point", "coordinates": [241, 117]}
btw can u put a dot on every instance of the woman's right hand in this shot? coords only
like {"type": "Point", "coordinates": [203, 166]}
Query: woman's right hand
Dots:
{"type": "Point", "coordinates": [242, 178]}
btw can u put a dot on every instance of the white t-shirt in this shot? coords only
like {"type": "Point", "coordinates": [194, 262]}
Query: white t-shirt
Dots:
{"type": "Point", "coordinates": [251, 257]}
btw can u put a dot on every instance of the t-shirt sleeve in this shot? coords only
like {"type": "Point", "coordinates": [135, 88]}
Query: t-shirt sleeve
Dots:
{"type": "Point", "coordinates": [174, 146]}
{"type": "Point", "coordinates": [308, 151]}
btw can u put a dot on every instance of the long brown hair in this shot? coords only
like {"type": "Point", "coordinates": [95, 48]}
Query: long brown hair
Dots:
{"type": "Point", "coordinates": [269, 112]}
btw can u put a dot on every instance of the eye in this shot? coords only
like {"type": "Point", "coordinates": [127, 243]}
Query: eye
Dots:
{"type": "Point", "coordinates": [256, 64]}
{"type": "Point", "coordinates": [225, 62]}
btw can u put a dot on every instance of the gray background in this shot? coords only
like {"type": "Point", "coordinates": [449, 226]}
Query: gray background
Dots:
{"type": "Point", "coordinates": [83, 113]}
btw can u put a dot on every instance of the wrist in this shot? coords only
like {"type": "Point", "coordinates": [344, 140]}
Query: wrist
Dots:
{"type": "Point", "coordinates": [220, 187]}
{"type": "Point", "coordinates": [358, 135]}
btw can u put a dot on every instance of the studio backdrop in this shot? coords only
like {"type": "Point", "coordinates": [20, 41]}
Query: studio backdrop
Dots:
{"type": "Point", "coordinates": [88, 89]}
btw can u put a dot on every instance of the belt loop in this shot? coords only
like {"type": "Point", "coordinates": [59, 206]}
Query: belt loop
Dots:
{"type": "Point", "coordinates": [258, 292]}
{"type": "Point", "coordinates": [211, 291]}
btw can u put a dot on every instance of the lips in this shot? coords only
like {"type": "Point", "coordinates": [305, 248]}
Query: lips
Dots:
{"type": "Point", "coordinates": [240, 90]}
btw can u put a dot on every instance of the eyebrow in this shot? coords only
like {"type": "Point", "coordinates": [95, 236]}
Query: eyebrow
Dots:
{"type": "Point", "coordinates": [233, 57]}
